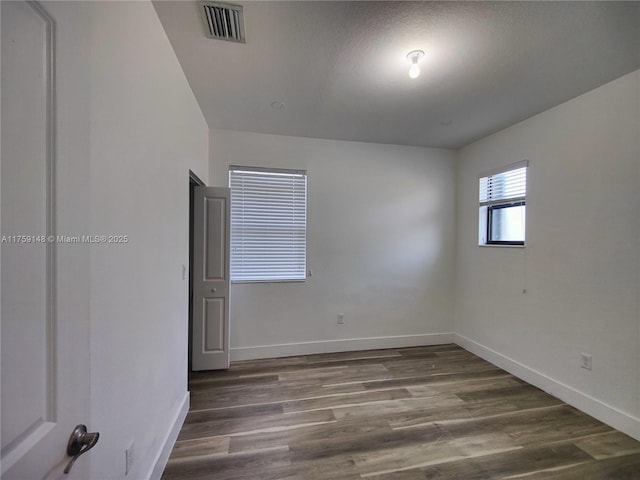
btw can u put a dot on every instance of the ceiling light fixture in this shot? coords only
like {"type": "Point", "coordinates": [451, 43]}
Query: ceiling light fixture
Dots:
{"type": "Point", "coordinates": [414, 58]}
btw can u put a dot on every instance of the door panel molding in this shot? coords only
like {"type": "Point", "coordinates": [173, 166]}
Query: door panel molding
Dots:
{"type": "Point", "coordinates": [215, 217]}
{"type": "Point", "coordinates": [214, 328]}
{"type": "Point", "coordinates": [32, 431]}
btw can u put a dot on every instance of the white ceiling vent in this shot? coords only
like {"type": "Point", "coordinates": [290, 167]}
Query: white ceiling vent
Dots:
{"type": "Point", "coordinates": [223, 21]}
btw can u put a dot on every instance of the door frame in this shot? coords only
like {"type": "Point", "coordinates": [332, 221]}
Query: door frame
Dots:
{"type": "Point", "coordinates": [194, 181]}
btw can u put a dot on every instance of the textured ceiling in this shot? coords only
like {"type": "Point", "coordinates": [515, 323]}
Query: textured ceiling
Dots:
{"type": "Point", "coordinates": [340, 69]}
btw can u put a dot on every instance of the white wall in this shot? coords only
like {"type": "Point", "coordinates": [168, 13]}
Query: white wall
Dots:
{"type": "Point", "coordinates": [581, 264]}
{"type": "Point", "coordinates": [380, 243]}
{"type": "Point", "coordinates": [146, 132]}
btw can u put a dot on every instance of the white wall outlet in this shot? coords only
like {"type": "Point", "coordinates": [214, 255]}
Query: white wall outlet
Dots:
{"type": "Point", "coordinates": [585, 361]}
{"type": "Point", "coordinates": [340, 318]}
{"type": "Point", "coordinates": [130, 457]}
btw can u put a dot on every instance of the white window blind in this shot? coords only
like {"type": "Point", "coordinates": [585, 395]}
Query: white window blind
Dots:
{"type": "Point", "coordinates": [268, 224]}
{"type": "Point", "coordinates": [503, 187]}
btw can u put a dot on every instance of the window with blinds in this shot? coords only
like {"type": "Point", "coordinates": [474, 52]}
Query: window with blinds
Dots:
{"type": "Point", "coordinates": [502, 211]}
{"type": "Point", "coordinates": [268, 224]}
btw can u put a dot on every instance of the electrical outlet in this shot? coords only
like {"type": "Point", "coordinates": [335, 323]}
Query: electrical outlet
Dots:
{"type": "Point", "coordinates": [129, 458]}
{"type": "Point", "coordinates": [586, 361]}
{"type": "Point", "coordinates": [340, 318]}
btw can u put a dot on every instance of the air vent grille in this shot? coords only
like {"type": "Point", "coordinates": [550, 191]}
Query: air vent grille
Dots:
{"type": "Point", "coordinates": [223, 21]}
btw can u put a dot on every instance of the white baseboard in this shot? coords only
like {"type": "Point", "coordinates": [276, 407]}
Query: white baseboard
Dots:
{"type": "Point", "coordinates": [343, 345]}
{"type": "Point", "coordinates": [592, 406]}
{"type": "Point", "coordinates": [170, 440]}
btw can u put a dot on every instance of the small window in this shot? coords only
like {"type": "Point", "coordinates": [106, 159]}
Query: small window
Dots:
{"type": "Point", "coordinates": [268, 224]}
{"type": "Point", "coordinates": [502, 212]}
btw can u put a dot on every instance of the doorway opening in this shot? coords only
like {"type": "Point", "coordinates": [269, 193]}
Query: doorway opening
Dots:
{"type": "Point", "coordinates": [194, 181]}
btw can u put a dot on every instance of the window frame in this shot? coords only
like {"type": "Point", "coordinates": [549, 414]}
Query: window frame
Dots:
{"type": "Point", "coordinates": [253, 276]}
{"type": "Point", "coordinates": [489, 206]}
{"type": "Point", "coordinates": [500, 206]}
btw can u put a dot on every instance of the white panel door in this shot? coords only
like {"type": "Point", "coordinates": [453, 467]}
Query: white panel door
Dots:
{"type": "Point", "coordinates": [211, 278]}
{"type": "Point", "coordinates": [44, 382]}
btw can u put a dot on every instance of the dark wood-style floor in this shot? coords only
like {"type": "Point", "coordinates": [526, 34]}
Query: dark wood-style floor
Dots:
{"type": "Point", "coordinates": [434, 412]}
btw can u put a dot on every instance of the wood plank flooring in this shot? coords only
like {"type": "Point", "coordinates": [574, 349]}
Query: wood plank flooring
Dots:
{"type": "Point", "coordinates": [435, 412]}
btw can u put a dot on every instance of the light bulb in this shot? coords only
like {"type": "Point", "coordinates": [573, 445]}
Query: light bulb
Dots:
{"type": "Point", "coordinates": [414, 57]}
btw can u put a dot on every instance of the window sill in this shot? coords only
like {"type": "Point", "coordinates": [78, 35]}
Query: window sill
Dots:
{"type": "Point", "coordinates": [269, 281]}
{"type": "Point", "coordinates": [492, 245]}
